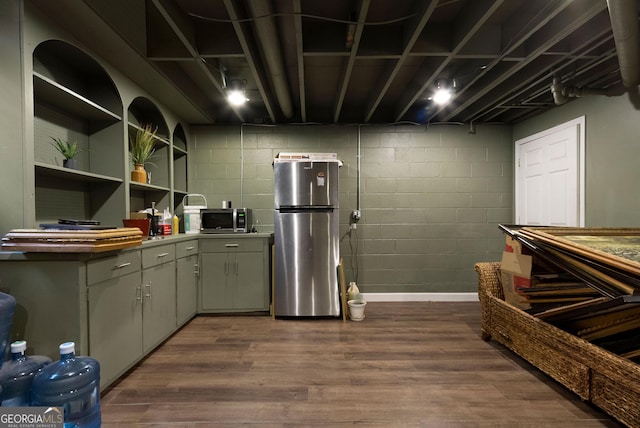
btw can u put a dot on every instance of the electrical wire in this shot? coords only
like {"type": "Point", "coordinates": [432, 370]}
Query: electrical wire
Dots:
{"type": "Point", "coordinates": [355, 270]}
{"type": "Point", "coordinates": [354, 254]}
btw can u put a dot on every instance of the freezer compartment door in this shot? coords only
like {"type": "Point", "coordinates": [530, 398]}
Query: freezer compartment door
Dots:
{"type": "Point", "coordinates": [306, 262]}
{"type": "Point", "coordinates": [306, 184]}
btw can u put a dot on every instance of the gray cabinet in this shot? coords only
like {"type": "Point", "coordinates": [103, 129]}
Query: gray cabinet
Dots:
{"type": "Point", "coordinates": [187, 273]}
{"type": "Point", "coordinates": [51, 302]}
{"type": "Point", "coordinates": [158, 295]}
{"type": "Point", "coordinates": [115, 313]}
{"type": "Point", "coordinates": [235, 274]}
{"type": "Point", "coordinates": [120, 305]}
{"type": "Point", "coordinates": [131, 306]}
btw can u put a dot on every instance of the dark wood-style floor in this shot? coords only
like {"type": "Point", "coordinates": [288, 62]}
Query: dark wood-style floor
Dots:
{"type": "Point", "coordinates": [405, 365]}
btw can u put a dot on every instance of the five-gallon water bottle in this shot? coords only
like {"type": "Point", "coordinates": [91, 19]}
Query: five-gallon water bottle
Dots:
{"type": "Point", "coordinates": [7, 306]}
{"type": "Point", "coordinates": [16, 375]}
{"type": "Point", "coordinates": [72, 383]}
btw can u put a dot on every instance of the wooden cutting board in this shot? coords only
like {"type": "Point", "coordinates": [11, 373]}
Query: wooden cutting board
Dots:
{"type": "Point", "coordinates": [71, 241]}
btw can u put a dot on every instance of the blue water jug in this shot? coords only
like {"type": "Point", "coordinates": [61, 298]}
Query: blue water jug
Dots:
{"type": "Point", "coordinates": [7, 306]}
{"type": "Point", "coordinates": [16, 375]}
{"type": "Point", "coordinates": [72, 383]}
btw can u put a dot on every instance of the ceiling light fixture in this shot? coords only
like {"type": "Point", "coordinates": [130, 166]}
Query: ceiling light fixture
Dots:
{"type": "Point", "coordinates": [236, 92]}
{"type": "Point", "coordinates": [444, 91]}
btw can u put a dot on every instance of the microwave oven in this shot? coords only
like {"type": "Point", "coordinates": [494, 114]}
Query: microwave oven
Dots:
{"type": "Point", "coordinates": [225, 220]}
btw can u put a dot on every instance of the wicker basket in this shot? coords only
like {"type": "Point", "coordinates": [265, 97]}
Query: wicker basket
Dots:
{"type": "Point", "coordinates": [488, 286]}
{"type": "Point", "coordinates": [607, 380]}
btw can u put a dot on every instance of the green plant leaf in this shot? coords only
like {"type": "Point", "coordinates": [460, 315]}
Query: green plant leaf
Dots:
{"type": "Point", "coordinates": [66, 149]}
{"type": "Point", "coordinates": [141, 145]}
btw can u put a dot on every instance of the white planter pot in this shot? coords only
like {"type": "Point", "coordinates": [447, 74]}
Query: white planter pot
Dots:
{"type": "Point", "coordinates": [356, 309]}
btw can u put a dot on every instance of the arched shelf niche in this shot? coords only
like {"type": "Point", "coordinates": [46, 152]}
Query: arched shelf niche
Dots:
{"type": "Point", "coordinates": [76, 100]}
{"type": "Point", "coordinates": [143, 112]}
{"type": "Point", "coordinates": [180, 177]}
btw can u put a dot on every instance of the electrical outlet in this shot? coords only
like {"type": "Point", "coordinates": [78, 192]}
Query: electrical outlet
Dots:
{"type": "Point", "coordinates": [355, 215]}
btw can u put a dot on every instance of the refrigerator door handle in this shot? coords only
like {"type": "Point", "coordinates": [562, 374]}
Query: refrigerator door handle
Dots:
{"type": "Point", "coordinates": [305, 208]}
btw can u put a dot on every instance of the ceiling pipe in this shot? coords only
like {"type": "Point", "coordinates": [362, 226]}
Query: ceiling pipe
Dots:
{"type": "Point", "coordinates": [624, 22]}
{"type": "Point", "coordinates": [562, 93]}
{"type": "Point", "coordinates": [267, 37]}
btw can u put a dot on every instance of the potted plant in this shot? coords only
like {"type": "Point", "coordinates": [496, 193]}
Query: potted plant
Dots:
{"type": "Point", "coordinates": [141, 150]}
{"type": "Point", "coordinates": [67, 150]}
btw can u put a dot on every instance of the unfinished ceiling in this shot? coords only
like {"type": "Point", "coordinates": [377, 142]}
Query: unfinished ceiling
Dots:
{"type": "Point", "coordinates": [375, 61]}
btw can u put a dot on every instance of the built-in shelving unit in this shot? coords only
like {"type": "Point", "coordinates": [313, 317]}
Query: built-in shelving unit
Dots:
{"type": "Point", "coordinates": [75, 99]}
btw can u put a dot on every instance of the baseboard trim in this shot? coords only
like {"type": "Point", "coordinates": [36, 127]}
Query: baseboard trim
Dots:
{"type": "Point", "coordinates": [420, 297]}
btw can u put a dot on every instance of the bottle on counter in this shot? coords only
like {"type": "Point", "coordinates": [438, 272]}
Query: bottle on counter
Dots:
{"type": "Point", "coordinates": [167, 222]}
{"type": "Point", "coordinates": [72, 383]}
{"type": "Point", "coordinates": [17, 374]}
{"type": "Point", "coordinates": [176, 225]}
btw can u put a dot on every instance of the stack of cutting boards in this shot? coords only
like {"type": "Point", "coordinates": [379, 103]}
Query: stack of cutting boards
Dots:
{"type": "Point", "coordinates": [71, 241]}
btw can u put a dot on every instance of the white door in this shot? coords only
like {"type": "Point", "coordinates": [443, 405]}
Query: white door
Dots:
{"type": "Point", "coordinates": [550, 176]}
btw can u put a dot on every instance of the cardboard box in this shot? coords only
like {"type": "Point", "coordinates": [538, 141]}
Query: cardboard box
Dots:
{"type": "Point", "coordinates": [515, 272]}
{"type": "Point", "coordinates": [513, 246]}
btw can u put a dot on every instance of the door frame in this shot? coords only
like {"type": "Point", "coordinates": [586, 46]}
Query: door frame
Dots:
{"type": "Point", "coordinates": [579, 125]}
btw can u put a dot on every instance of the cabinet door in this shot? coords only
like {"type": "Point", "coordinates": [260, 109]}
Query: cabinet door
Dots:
{"type": "Point", "coordinates": [159, 304]}
{"type": "Point", "coordinates": [249, 288]}
{"type": "Point", "coordinates": [216, 292]}
{"type": "Point", "coordinates": [186, 288]}
{"type": "Point", "coordinates": [115, 323]}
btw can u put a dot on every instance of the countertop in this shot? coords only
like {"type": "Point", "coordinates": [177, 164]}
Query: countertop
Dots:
{"type": "Point", "coordinates": [161, 240]}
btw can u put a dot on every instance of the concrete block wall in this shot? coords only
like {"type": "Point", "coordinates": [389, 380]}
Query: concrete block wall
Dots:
{"type": "Point", "coordinates": [431, 197]}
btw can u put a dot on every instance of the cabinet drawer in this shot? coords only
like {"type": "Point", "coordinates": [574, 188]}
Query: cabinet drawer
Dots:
{"type": "Point", "coordinates": [112, 267]}
{"type": "Point", "coordinates": [157, 255]}
{"type": "Point", "coordinates": [225, 245]}
{"type": "Point", "coordinates": [185, 249]}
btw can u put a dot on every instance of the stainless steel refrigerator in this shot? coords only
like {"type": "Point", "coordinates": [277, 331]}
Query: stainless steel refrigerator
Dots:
{"type": "Point", "coordinates": [307, 243]}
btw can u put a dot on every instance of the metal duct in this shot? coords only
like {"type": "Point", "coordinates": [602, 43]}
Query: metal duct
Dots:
{"type": "Point", "coordinates": [562, 93]}
{"type": "Point", "coordinates": [624, 22]}
{"type": "Point", "coordinates": [557, 92]}
{"type": "Point", "coordinates": [268, 39]}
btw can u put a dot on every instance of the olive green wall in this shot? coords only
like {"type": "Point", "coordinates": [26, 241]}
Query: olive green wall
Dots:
{"type": "Point", "coordinates": [431, 198]}
{"type": "Point", "coordinates": [612, 151]}
{"type": "Point", "coordinates": [12, 174]}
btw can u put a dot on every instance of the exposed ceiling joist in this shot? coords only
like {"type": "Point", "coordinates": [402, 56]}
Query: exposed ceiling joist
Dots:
{"type": "Point", "coordinates": [414, 29]}
{"type": "Point", "coordinates": [501, 52]}
{"type": "Point", "coordinates": [356, 34]}
{"type": "Point", "coordinates": [466, 28]}
{"type": "Point", "coordinates": [557, 30]}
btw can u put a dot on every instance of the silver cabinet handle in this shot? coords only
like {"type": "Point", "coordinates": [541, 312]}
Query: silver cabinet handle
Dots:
{"type": "Point", "coordinates": [148, 286]}
{"type": "Point", "coordinates": [190, 248]}
{"type": "Point", "coordinates": [122, 265]}
{"type": "Point", "coordinates": [197, 269]}
{"type": "Point", "coordinates": [231, 245]}
{"type": "Point", "coordinates": [162, 255]}
{"type": "Point", "coordinates": [139, 294]}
